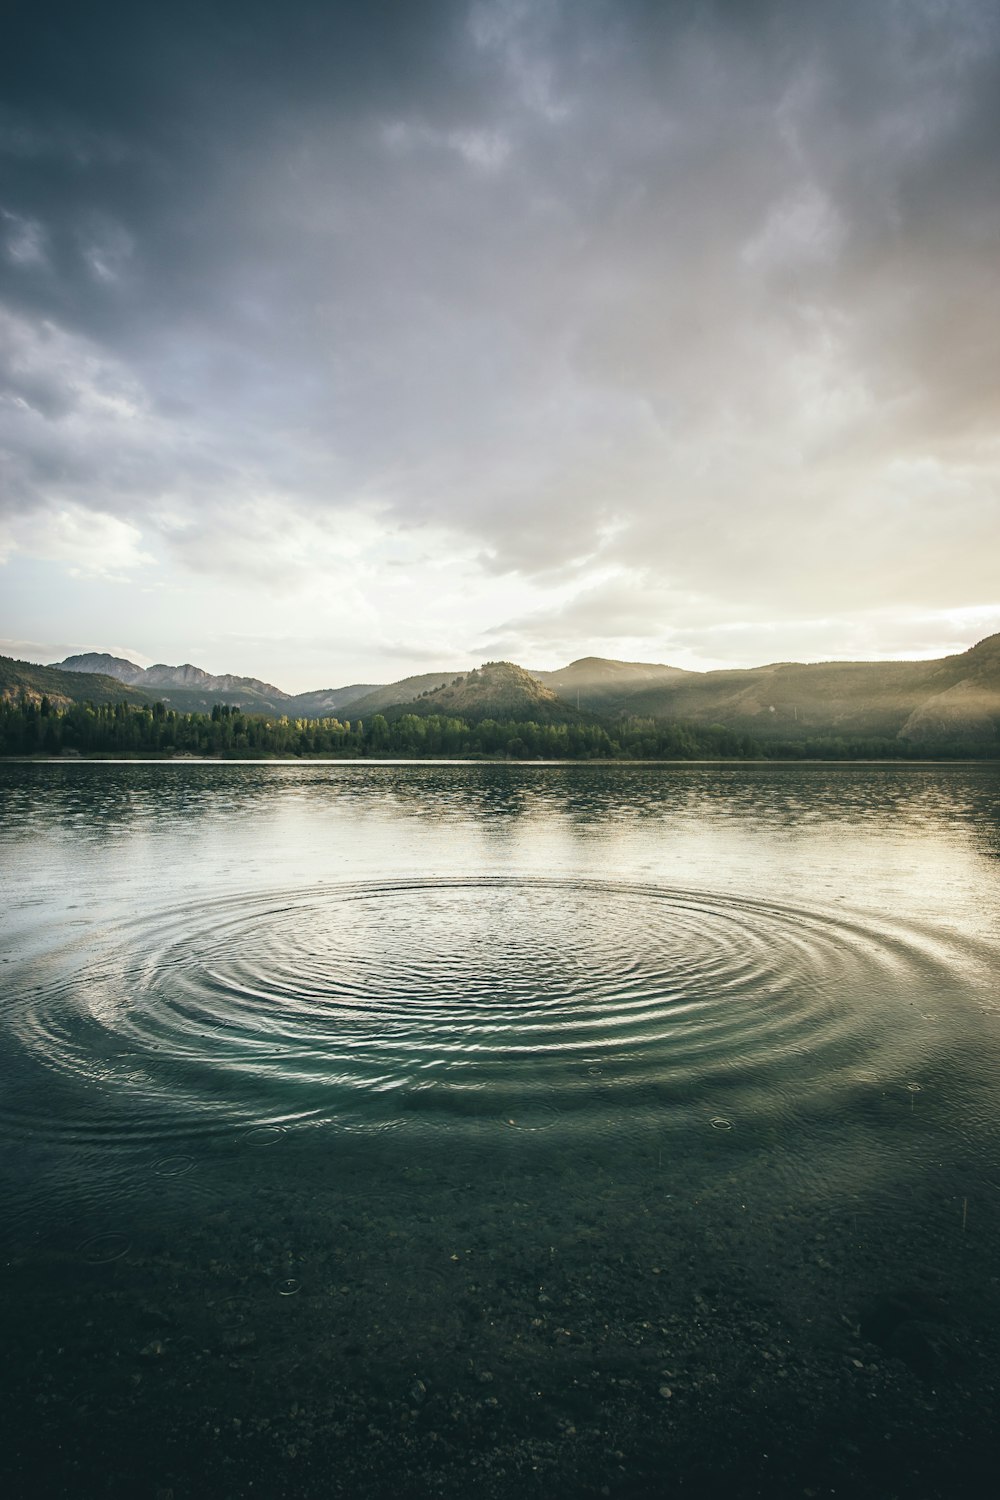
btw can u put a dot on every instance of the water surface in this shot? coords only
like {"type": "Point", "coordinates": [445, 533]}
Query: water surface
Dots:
{"type": "Point", "coordinates": [426, 1123]}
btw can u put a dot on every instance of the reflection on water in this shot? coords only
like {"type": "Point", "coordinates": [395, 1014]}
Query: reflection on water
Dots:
{"type": "Point", "coordinates": [466, 1109]}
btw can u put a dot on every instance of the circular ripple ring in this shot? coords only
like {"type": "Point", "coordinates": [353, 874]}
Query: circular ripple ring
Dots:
{"type": "Point", "coordinates": [510, 1000]}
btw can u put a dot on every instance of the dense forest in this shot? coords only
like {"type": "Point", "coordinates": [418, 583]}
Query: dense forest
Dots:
{"type": "Point", "coordinates": [123, 729]}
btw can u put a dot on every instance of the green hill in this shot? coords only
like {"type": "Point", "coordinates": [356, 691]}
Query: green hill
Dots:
{"type": "Point", "coordinates": [497, 690]}
{"type": "Point", "coordinates": [61, 687]}
{"type": "Point", "coordinates": [947, 703]}
{"type": "Point", "coordinates": [920, 700]}
{"type": "Point", "coordinates": [388, 695]}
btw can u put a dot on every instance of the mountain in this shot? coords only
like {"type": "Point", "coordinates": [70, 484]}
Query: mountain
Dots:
{"type": "Point", "coordinates": [62, 687]}
{"type": "Point", "coordinates": [919, 700]}
{"type": "Point", "coordinates": [100, 662]}
{"type": "Point", "coordinates": [376, 700]}
{"type": "Point", "coordinates": [496, 690]}
{"type": "Point", "coordinates": [188, 688]}
{"type": "Point", "coordinates": [952, 699]}
{"type": "Point", "coordinates": [967, 699]}
{"type": "Point", "coordinates": [605, 686]}
{"type": "Point", "coordinates": [324, 703]}
{"type": "Point", "coordinates": [191, 689]}
{"type": "Point", "coordinates": [925, 702]}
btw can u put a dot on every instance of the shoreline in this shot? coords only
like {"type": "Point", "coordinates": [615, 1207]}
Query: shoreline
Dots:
{"type": "Point", "coordinates": [493, 760]}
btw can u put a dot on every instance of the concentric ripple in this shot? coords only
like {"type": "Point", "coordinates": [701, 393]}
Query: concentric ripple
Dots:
{"type": "Point", "coordinates": [510, 1004]}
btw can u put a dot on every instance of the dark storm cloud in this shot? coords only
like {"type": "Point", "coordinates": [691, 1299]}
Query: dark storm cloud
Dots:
{"type": "Point", "coordinates": [700, 291]}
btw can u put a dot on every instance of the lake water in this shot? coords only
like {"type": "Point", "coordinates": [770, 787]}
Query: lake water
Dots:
{"type": "Point", "coordinates": [376, 1129]}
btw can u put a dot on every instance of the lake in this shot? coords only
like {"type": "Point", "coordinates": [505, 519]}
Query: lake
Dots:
{"type": "Point", "coordinates": [553, 1130]}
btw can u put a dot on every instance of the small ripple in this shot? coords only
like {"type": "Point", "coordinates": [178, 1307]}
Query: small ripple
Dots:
{"type": "Point", "coordinates": [264, 1135]}
{"type": "Point", "coordinates": [101, 1249]}
{"type": "Point", "coordinates": [173, 1166]}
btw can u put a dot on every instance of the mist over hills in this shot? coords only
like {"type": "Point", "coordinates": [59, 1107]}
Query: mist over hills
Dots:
{"type": "Point", "coordinates": [607, 686]}
{"type": "Point", "coordinates": [918, 701]}
{"type": "Point", "coordinates": [948, 699]}
{"type": "Point", "coordinates": [912, 700]}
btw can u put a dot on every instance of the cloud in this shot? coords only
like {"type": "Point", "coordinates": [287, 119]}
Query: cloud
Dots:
{"type": "Point", "coordinates": [702, 299]}
{"type": "Point", "coordinates": [88, 543]}
{"type": "Point", "coordinates": [629, 617]}
{"type": "Point", "coordinates": [23, 239]}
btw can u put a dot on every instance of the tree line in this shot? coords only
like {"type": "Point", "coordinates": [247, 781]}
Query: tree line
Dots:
{"type": "Point", "coordinates": [41, 727]}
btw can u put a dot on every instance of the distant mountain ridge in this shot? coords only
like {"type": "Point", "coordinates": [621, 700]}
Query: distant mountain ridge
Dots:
{"type": "Point", "coordinates": [194, 690]}
{"type": "Point", "coordinates": [100, 663]}
{"type": "Point", "coordinates": [914, 700]}
{"type": "Point", "coordinates": [185, 676]}
{"type": "Point", "coordinates": [27, 679]}
{"type": "Point", "coordinates": [952, 697]}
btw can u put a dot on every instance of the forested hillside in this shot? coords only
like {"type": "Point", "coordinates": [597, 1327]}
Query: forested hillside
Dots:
{"type": "Point", "coordinates": [945, 707]}
{"type": "Point", "coordinates": [42, 728]}
{"type": "Point", "coordinates": [25, 679]}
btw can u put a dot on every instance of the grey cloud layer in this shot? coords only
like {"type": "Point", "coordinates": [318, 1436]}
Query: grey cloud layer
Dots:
{"type": "Point", "coordinates": [698, 293]}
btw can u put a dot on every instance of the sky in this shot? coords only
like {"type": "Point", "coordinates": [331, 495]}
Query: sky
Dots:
{"type": "Point", "coordinates": [340, 342]}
